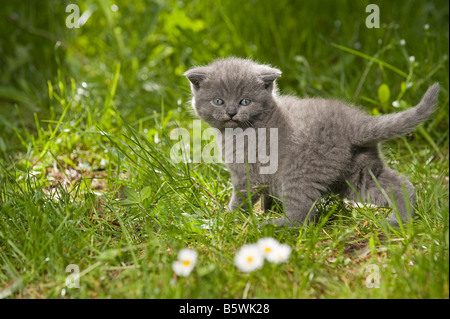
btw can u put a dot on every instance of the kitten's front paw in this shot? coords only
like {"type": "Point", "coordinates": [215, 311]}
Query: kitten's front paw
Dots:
{"type": "Point", "coordinates": [232, 206]}
{"type": "Point", "coordinates": [393, 222]}
{"type": "Point", "coordinates": [282, 221]}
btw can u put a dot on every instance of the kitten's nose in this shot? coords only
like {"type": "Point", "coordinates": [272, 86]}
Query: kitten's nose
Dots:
{"type": "Point", "coordinates": [231, 112]}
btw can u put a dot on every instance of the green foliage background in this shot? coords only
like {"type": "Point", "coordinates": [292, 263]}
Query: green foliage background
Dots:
{"type": "Point", "coordinates": [101, 99]}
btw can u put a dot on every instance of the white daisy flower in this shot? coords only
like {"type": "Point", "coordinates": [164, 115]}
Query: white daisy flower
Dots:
{"type": "Point", "coordinates": [187, 258]}
{"type": "Point", "coordinates": [396, 104]}
{"type": "Point", "coordinates": [412, 58]}
{"type": "Point", "coordinates": [280, 254]}
{"type": "Point", "coordinates": [267, 245]}
{"type": "Point", "coordinates": [402, 42]}
{"type": "Point", "coordinates": [249, 258]}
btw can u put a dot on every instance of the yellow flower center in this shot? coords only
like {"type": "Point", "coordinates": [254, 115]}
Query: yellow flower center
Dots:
{"type": "Point", "coordinates": [186, 262]}
{"type": "Point", "coordinates": [249, 259]}
{"type": "Point", "coordinates": [267, 249]}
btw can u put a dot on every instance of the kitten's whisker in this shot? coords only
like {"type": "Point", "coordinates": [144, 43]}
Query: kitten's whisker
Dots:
{"type": "Point", "coordinates": [247, 124]}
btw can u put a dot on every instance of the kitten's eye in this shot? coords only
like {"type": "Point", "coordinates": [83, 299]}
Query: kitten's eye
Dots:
{"type": "Point", "coordinates": [245, 102]}
{"type": "Point", "coordinates": [218, 101]}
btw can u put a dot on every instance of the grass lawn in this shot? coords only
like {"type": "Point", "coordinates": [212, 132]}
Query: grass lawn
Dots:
{"type": "Point", "coordinates": [87, 184]}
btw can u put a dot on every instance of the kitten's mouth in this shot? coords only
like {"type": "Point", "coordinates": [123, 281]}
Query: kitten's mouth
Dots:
{"type": "Point", "coordinates": [231, 122]}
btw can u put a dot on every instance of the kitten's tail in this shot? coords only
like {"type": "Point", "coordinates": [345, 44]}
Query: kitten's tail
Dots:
{"type": "Point", "coordinates": [386, 127]}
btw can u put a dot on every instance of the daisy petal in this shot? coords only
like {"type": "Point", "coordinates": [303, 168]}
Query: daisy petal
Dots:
{"type": "Point", "coordinates": [249, 258]}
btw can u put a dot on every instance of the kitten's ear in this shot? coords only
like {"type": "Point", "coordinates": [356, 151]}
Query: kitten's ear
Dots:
{"type": "Point", "coordinates": [269, 76]}
{"type": "Point", "coordinates": [196, 76]}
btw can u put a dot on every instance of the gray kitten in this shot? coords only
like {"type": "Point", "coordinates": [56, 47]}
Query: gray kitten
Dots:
{"type": "Point", "coordinates": [323, 145]}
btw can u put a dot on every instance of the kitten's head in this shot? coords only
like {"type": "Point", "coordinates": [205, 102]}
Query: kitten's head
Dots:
{"type": "Point", "coordinates": [232, 92]}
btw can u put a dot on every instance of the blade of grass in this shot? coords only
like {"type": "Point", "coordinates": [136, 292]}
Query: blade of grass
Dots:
{"type": "Point", "coordinates": [370, 58]}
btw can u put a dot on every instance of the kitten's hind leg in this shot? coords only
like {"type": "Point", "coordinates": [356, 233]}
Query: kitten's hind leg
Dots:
{"type": "Point", "coordinates": [389, 181]}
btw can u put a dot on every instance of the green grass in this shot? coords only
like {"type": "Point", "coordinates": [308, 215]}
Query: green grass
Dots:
{"type": "Point", "coordinates": [86, 177]}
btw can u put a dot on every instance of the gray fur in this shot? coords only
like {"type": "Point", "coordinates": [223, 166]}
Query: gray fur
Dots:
{"type": "Point", "coordinates": [323, 144]}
